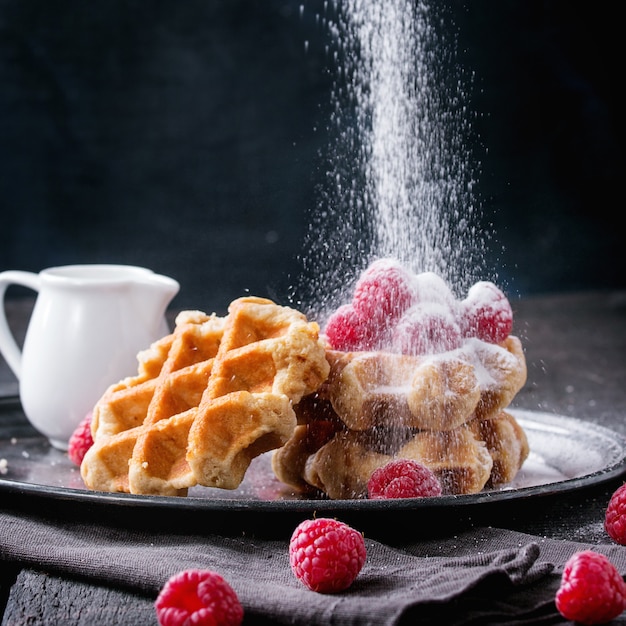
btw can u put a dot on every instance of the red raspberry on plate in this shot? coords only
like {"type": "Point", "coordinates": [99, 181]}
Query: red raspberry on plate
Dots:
{"type": "Point", "coordinates": [80, 441]}
{"type": "Point", "coordinates": [615, 516]}
{"type": "Point", "coordinates": [486, 313]}
{"type": "Point", "coordinates": [347, 330]}
{"type": "Point", "coordinates": [403, 478]}
{"type": "Point", "coordinates": [383, 291]}
{"type": "Point", "coordinates": [198, 597]}
{"type": "Point", "coordinates": [592, 591]}
{"type": "Point", "coordinates": [426, 328]}
{"type": "Point", "coordinates": [326, 555]}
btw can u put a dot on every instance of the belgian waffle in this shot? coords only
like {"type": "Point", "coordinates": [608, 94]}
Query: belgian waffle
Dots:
{"type": "Point", "coordinates": [435, 392]}
{"type": "Point", "coordinates": [444, 410]}
{"type": "Point", "coordinates": [206, 400]}
{"type": "Point", "coordinates": [483, 452]}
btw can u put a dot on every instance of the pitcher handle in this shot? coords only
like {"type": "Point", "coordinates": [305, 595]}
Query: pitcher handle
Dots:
{"type": "Point", "coordinates": [8, 346]}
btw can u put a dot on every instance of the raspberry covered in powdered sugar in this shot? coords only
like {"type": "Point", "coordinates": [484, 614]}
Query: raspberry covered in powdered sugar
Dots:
{"type": "Point", "coordinates": [486, 313]}
{"type": "Point", "coordinates": [396, 310]}
{"type": "Point", "coordinates": [384, 291]}
{"type": "Point", "coordinates": [349, 329]}
{"type": "Point", "coordinates": [427, 327]}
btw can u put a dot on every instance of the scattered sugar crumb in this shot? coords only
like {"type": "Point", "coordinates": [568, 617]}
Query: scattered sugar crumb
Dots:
{"type": "Point", "coordinates": [4, 466]}
{"type": "Point", "coordinates": [25, 454]}
{"type": "Point", "coordinates": [592, 532]}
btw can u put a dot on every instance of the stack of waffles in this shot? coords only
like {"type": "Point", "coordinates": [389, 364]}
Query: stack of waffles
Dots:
{"type": "Point", "coordinates": [416, 373]}
{"type": "Point", "coordinates": [446, 411]}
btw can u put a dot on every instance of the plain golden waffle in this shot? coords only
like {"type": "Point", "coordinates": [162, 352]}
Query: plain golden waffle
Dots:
{"type": "Point", "coordinates": [207, 399]}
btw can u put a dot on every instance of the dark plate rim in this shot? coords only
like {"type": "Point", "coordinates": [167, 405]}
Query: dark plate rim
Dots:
{"type": "Point", "coordinates": [316, 506]}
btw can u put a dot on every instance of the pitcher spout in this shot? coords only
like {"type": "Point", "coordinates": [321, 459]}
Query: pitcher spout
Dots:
{"type": "Point", "coordinates": [152, 297]}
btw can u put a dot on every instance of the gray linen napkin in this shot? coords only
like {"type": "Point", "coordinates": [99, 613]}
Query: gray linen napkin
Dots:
{"type": "Point", "coordinates": [484, 575]}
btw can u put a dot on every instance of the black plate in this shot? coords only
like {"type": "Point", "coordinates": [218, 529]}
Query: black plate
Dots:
{"type": "Point", "coordinates": [566, 455]}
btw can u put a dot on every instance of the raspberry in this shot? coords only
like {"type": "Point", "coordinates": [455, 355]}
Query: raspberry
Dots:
{"type": "Point", "coordinates": [383, 291]}
{"type": "Point", "coordinates": [80, 441]}
{"type": "Point", "coordinates": [403, 478]}
{"type": "Point", "coordinates": [198, 597]}
{"type": "Point", "coordinates": [426, 328]}
{"type": "Point", "coordinates": [347, 330]}
{"type": "Point", "coordinates": [615, 516]}
{"type": "Point", "coordinates": [487, 313]}
{"type": "Point", "coordinates": [592, 591]}
{"type": "Point", "coordinates": [326, 555]}
{"type": "Point", "coordinates": [430, 287]}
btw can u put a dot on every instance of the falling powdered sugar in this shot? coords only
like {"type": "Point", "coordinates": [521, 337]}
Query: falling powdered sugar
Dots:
{"type": "Point", "coordinates": [399, 181]}
{"type": "Point", "coordinates": [412, 355]}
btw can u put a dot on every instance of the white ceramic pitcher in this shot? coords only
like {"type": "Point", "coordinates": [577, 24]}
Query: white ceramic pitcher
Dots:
{"type": "Point", "coordinates": [87, 326]}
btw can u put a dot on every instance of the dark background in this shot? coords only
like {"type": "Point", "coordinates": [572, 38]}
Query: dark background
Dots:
{"type": "Point", "coordinates": [189, 137]}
